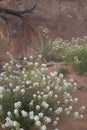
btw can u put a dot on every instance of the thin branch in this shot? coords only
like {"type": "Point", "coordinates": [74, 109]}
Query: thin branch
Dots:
{"type": "Point", "coordinates": [17, 12]}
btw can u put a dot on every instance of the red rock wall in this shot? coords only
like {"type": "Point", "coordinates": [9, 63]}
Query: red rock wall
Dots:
{"type": "Point", "coordinates": [64, 18]}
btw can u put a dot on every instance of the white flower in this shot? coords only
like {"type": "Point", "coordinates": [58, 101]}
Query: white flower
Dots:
{"type": "Point", "coordinates": [50, 93]}
{"type": "Point", "coordinates": [50, 109]}
{"type": "Point", "coordinates": [61, 76]}
{"type": "Point", "coordinates": [36, 64]}
{"type": "Point", "coordinates": [9, 113]}
{"type": "Point", "coordinates": [68, 95]}
{"type": "Point", "coordinates": [47, 119]}
{"type": "Point", "coordinates": [45, 96]}
{"type": "Point", "coordinates": [42, 93]}
{"type": "Point", "coordinates": [31, 115]}
{"type": "Point", "coordinates": [1, 90]}
{"type": "Point", "coordinates": [1, 96]}
{"type": "Point", "coordinates": [76, 115]}
{"type": "Point", "coordinates": [21, 129]}
{"type": "Point", "coordinates": [7, 119]}
{"type": "Point", "coordinates": [66, 101]}
{"type": "Point", "coordinates": [44, 65]}
{"type": "Point", "coordinates": [71, 80]}
{"type": "Point", "coordinates": [25, 75]}
{"type": "Point", "coordinates": [18, 66]}
{"type": "Point", "coordinates": [31, 57]}
{"type": "Point", "coordinates": [14, 90]}
{"type": "Point", "coordinates": [44, 78]}
{"type": "Point", "coordinates": [75, 100]}
{"type": "Point", "coordinates": [43, 127]}
{"type": "Point", "coordinates": [37, 107]}
{"type": "Point", "coordinates": [53, 74]}
{"type": "Point", "coordinates": [11, 62]}
{"type": "Point", "coordinates": [82, 108]}
{"type": "Point", "coordinates": [81, 116]}
{"type": "Point", "coordinates": [9, 122]}
{"type": "Point", "coordinates": [56, 129]}
{"type": "Point", "coordinates": [39, 56]}
{"type": "Point", "coordinates": [65, 86]}
{"type": "Point", "coordinates": [40, 115]}
{"type": "Point", "coordinates": [6, 64]}
{"type": "Point", "coordinates": [57, 118]}
{"type": "Point", "coordinates": [56, 96]}
{"type": "Point", "coordinates": [17, 89]}
{"type": "Point", "coordinates": [25, 58]}
{"type": "Point", "coordinates": [35, 84]}
{"type": "Point", "coordinates": [10, 85]}
{"type": "Point", "coordinates": [75, 84]}
{"type": "Point", "coordinates": [55, 123]}
{"type": "Point", "coordinates": [43, 69]}
{"type": "Point", "coordinates": [34, 95]}
{"type": "Point", "coordinates": [37, 123]}
{"type": "Point", "coordinates": [70, 108]}
{"type": "Point", "coordinates": [8, 53]}
{"type": "Point", "coordinates": [23, 91]}
{"type": "Point", "coordinates": [30, 87]}
{"type": "Point", "coordinates": [30, 64]}
{"type": "Point", "coordinates": [36, 118]}
{"type": "Point", "coordinates": [67, 112]}
{"type": "Point", "coordinates": [8, 90]}
{"type": "Point", "coordinates": [16, 112]}
{"type": "Point", "coordinates": [24, 113]}
{"type": "Point", "coordinates": [15, 124]}
{"type": "Point", "coordinates": [3, 126]}
{"type": "Point", "coordinates": [28, 82]}
{"type": "Point", "coordinates": [48, 88]}
{"type": "Point", "coordinates": [59, 110]}
{"type": "Point", "coordinates": [17, 104]}
{"type": "Point", "coordinates": [58, 102]}
{"type": "Point", "coordinates": [39, 97]}
{"type": "Point", "coordinates": [31, 104]}
{"type": "Point", "coordinates": [45, 105]}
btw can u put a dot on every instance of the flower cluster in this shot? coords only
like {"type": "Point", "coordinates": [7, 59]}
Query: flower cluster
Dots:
{"type": "Point", "coordinates": [65, 48]}
{"type": "Point", "coordinates": [31, 97]}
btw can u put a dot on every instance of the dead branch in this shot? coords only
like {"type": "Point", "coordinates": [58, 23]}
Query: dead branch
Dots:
{"type": "Point", "coordinates": [17, 12]}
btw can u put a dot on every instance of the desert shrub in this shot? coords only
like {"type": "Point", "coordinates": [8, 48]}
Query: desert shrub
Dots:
{"type": "Point", "coordinates": [32, 98]}
{"type": "Point", "coordinates": [79, 41]}
{"type": "Point", "coordinates": [51, 50]}
{"type": "Point", "coordinates": [60, 47]}
{"type": "Point", "coordinates": [77, 57]}
{"type": "Point", "coordinates": [58, 50]}
{"type": "Point", "coordinates": [47, 52]}
{"type": "Point", "coordinates": [74, 47]}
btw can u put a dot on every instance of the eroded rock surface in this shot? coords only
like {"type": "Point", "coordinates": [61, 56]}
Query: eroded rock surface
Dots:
{"type": "Point", "coordinates": [64, 18]}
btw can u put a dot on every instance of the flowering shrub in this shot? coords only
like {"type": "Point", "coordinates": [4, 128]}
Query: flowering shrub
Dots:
{"type": "Point", "coordinates": [56, 50]}
{"type": "Point", "coordinates": [31, 98]}
{"type": "Point", "coordinates": [74, 52]}
{"type": "Point", "coordinates": [77, 56]}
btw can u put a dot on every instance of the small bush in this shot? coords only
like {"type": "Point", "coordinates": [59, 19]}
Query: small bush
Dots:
{"type": "Point", "coordinates": [77, 56]}
{"type": "Point", "coordinates": [51, 50]}
{"type": "Point", "coordinates": [47, 52]}
{"type": "Point", "coordinates": [60, 50]}
{"type": "Point", "coordinates": [31, 98]}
